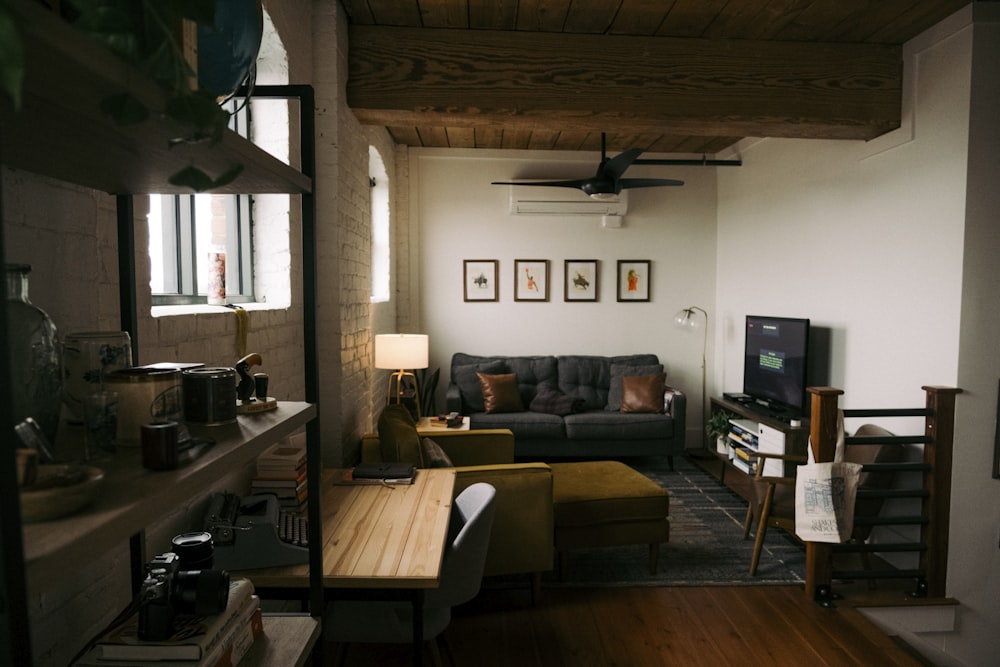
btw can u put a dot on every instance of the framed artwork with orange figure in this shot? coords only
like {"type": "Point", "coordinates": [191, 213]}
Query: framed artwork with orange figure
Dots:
{"type": "Point", "coordinates": [531, 280]}
{"type": "Point", "coordinates": [633, 279]}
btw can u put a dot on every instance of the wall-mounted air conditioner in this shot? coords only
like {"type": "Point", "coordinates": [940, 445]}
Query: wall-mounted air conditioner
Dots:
{"type": "Point", "coordinates": [526, 200]}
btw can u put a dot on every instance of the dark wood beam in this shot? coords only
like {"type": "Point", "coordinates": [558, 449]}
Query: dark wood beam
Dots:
{"type": "Point", "coordinates": [555, 81]}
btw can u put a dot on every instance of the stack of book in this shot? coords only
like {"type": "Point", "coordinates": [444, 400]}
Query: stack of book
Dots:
{"type": "Point", "coordinates": [743, 444]}
{"type": "Point", "coordinates": [281, 470]}
{"type": "Point", "coordinates": [198, 641]}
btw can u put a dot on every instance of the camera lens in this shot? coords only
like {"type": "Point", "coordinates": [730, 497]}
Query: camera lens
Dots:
{"type": "Point", "coordinates": [202, 592]}
{"type": "Point", "coordinates": [194, 549]}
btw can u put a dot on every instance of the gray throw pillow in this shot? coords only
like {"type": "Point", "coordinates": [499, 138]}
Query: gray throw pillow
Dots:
{"type": "Point", "coordinates": [618, 371]}
{"type": "Point", "coordinates": [434, 456]}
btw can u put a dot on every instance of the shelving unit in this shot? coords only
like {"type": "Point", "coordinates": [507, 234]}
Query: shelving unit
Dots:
{"type": "Point", "coordinates": [60, 132]}
{"type": "Point", "coordinates": [755, 430]}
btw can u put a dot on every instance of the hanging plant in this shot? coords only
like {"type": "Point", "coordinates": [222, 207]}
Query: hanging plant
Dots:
{"type": "Point", "coordinates": [144, 33]}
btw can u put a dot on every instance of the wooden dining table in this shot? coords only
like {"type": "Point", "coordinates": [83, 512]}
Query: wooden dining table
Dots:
{"type": "Point", "coordinates": [378, 540]}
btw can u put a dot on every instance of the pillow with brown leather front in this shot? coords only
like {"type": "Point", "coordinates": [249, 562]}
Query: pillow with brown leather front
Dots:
{"type": "Point", "coordinates": [500, 392]}
{"type": "Point", "coordinates": [643, 393]}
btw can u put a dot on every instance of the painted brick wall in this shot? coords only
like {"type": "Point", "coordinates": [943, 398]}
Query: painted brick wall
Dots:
{"type": "Point", "coordinates": [68, 235]}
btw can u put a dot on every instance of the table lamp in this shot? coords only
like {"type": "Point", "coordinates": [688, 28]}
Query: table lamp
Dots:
{"type": "Point", "coordinates": [398, 352]}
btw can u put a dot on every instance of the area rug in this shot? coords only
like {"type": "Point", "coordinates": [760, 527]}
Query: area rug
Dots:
{"type": "Point", "coordinates": [706, 546]}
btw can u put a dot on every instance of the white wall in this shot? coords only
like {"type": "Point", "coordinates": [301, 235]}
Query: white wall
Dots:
{"type": "Point", "coordinates": [871, 241]}
{"type": "Point", "coordinates": [461, 216]}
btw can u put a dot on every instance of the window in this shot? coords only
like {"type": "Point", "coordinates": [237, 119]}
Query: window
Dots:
{"type": "Point", "coordinates": [379, 182]}
{"type": "Point", "coordinates": [189, 233]}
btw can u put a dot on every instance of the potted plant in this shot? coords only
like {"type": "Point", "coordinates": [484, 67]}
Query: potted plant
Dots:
{"type": "Point", "coordinates": [718, 429]}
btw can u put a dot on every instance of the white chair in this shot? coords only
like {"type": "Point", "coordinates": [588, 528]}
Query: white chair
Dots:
{"type": "Point", "coordinates": [376, 621]}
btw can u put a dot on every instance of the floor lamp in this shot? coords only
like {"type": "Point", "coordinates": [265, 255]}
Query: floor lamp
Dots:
{"type": "Point", "coordinates": [398, 352]}
{"type": "Point", "coordinates": [686, 319]}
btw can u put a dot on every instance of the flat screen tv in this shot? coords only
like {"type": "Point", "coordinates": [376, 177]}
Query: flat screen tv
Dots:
{"type": "Point", "coordinates": [774, 368]}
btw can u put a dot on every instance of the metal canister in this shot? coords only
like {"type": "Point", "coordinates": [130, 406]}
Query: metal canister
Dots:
{"type": "Point", "coordinates": [209, 396]}
{"type": "Point", "coordinates": [144, 395]}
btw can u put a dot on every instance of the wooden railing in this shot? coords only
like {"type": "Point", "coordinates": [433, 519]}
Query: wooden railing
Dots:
{"type": "Point", "coordinates": [934, 492]}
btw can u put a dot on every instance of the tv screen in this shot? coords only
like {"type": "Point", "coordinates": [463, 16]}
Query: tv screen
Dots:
{"type": "Point", "coordinates": [774, 365]}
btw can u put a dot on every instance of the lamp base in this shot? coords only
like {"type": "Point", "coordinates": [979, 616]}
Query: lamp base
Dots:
{"type": "Point", "coordinates": [396, 391]}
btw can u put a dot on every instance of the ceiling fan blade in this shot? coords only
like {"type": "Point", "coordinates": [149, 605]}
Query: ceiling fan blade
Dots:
{"type": "Point", "coordinates": [549, 184]}
{"type": "Point", "coordinates": [617, 165]}
{"type": "Point", "coordinates": [647, 182]}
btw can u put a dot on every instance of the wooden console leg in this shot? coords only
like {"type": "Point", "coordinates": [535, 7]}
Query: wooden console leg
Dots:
{"type": "Point", "coordinates": [536, 588]}
{"type": "Point", "coordinates": [654, 557]}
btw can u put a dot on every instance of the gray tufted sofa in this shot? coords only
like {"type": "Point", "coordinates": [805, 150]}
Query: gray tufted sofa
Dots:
{"type": "Point", "coordinates": [593, 429]}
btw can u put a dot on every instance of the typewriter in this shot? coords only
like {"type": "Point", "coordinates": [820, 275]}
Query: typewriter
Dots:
{"type": "Point", "coordinates": [253, 531]}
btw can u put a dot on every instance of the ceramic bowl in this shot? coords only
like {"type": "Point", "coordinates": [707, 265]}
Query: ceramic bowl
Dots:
{"type": "Point", "coordinates": [59, 490]}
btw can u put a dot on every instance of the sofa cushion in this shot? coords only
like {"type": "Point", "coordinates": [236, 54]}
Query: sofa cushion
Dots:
{"type": "Point", "coordinates": [554, 402]}
{"type": "Point", "coordinates": [591, 493]}
{"type": "Point", "coordinates": [465, 377]}
{"type": "Point", "coordinates": [604, 425]}
{"type": "Point", "coordinates": [500, 393]}
{"type": "Point", "coordinates": [524, 425]}
{"type": "Point", "coordinates": [434, 456]}
{"type": "Point", "coordinates": [532, 372]}
{"type": "Point", "coordinates": [589, 376]}
{"type": "Point", "coordinates": [398, 439]}
{"type": "Point", "coordinates": [643, 393]}
{"type": "Point", "coordinates": [619, 371]}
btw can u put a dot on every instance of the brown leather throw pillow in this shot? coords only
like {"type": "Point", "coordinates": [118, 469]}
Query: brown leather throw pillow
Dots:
{"type": "Point", "coordinates": [500, 393]}
{"type": "Point", "coordinates": [643, 393]}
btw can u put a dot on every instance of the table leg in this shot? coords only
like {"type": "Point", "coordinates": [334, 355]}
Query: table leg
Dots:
{"type": "Point", "coordinates": [418, 627]}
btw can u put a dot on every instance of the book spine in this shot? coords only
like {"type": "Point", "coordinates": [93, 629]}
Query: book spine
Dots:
{"type": "Point", "coordinates": [232, 624]}
{"type": "Point", "coordinates": [237, 643]}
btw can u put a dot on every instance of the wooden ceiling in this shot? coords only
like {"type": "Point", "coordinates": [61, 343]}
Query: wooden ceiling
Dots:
{"type": "Point", "coordinates": [681, 76]}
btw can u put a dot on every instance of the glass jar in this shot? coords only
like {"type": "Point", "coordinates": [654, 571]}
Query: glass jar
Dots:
{"type": "Point", "coordinates": [88, 356]}
{"type": "Point", "coordinates": [35, 356]}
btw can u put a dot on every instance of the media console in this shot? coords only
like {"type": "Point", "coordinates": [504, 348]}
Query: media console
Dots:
{"type": "Point", "coordinates": [756, 427]}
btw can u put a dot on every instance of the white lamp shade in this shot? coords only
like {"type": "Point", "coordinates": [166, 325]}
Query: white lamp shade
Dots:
{"type": "Point", "coordinates": [400, 351]}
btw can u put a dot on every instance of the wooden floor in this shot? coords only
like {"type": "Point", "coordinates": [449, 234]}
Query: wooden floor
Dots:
{"type": "Point", "coordinates": [712, 626]}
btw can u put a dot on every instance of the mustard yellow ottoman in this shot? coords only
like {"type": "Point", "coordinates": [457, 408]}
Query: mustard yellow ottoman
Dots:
{"type": "Point", "coordinates": [607, 503]}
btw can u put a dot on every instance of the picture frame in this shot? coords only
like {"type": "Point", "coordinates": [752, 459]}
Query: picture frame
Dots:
{"type": "Point", "coordinates": [531, 280]}
{"type": "Point", "coordinates": [633, 279]}
{"type": "Point", "coordinates": [580, 280]}
{"type": "Point", "coordinates": [480, 280]}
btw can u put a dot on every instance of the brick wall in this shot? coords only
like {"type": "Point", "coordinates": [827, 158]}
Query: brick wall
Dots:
{"type": "Point", "coordinates": [69, 236]}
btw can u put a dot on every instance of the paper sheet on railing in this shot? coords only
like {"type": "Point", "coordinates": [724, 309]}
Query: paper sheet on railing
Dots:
{"type": "Point", "coordinates": [824, 501]}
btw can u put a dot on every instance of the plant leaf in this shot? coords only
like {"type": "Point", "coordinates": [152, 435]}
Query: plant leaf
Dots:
{"type": "Point", "coordinates": [192, 177]}
{"type": "Point", "coordinates": [201, 112]}
{"type": "Point", "coordinates": [199, 11]}
{"type": "Point", "coordinates": [199, 181]}
{"type": "Point", "coordinates": [11, 56]}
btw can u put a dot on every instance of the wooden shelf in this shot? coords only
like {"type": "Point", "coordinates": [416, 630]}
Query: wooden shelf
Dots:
{"type": "Point", "coordinates": [131, 496]}
{"type": "Point", "coordinates": [61, 132]}
{"type": "Point", "coordinates": [287, 640]}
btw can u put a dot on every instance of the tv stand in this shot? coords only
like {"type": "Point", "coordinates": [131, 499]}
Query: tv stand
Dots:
{"type": "Point", "coordinates": [777, 430]}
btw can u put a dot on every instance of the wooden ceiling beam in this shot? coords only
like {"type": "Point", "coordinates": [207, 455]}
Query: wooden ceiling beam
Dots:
{"type": "Point", "coordinates": [590, 83]}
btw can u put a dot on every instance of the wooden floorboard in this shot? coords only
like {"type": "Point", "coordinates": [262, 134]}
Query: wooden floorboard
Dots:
{"type": "Point", "coordinates": [636, 627]}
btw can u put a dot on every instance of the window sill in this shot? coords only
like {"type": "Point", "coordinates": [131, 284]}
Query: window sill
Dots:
{"type": "Point", "coordinates": [205, 309]}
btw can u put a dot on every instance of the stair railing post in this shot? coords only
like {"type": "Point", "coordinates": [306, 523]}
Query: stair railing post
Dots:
{"type": "Point", "coordinates": [939, 428]}
{"type": "Point", "coordinates": [823, 445]}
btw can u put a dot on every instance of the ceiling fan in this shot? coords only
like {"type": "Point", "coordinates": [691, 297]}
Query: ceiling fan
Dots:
{"type": "Point", "coordinates": [607, 182]}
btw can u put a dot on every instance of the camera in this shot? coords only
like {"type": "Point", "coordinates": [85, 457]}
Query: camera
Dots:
{"type": "Point", "coordinates": [169, 589]}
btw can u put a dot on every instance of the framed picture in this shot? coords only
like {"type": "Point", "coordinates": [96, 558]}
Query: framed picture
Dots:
{"type": "Point", "coordinates": [633, 280]}
{"type": "Point", "coordinates": [531, 280]}
{"type": "Point", "coordinates": [580, 282]}
{"type": "Point", "coordinates": [480, 280]}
